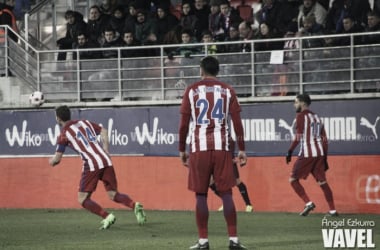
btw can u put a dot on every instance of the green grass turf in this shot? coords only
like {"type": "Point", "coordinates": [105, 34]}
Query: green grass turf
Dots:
{"type": "Point", "coordinates": [78, 229]}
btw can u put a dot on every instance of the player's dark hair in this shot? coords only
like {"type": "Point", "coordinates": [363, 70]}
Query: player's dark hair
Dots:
{"type": "Point", "coordinates": [210, 65]}
{"type": "Point", "coordinates": [63, 113]}
{"type": "Point", "coordinates": [304, 98]}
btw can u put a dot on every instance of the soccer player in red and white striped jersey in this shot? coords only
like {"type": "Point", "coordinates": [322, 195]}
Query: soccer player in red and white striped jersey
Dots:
{"type": "Point", "coordinates": [208, 105]}
{"type": "Point", "coordinates": [81, 135]}
{"type": "Point", "coordinates": [312, 158]}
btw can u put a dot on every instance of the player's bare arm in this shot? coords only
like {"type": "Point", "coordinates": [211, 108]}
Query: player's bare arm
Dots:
{"type": "Point", "coordinates": [104, 138]}
{"type": "Point", "coordinates": [56, 159]}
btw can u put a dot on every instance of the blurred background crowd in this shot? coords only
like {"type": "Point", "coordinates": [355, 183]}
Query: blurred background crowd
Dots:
{"type": "Point", "coordinates": [117, 23]}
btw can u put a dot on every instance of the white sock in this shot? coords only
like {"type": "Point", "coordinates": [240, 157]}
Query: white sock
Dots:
{"type": "Point", "coordinates": [203, 241]}
{"type": "Point", "coordinates": [234, 239]}
{"type": "Point", "coordinates": [332, 211]}
{"type": "Point", "coordinates": [309, 203]}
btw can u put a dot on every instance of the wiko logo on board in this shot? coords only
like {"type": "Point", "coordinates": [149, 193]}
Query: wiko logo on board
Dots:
{"type": "Point", "coordinates": [156, 136]}
{"type": "Point", "coordinates": [347, 233]}
{"type": "Point", "coordinates": [24, 137]}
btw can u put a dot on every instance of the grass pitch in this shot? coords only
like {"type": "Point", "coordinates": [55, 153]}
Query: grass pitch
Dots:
{"type": "Point", "coordinates": [78, 229]}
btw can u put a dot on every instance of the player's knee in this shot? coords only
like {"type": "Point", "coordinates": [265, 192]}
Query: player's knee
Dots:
{"type": "Point", "coordinates": [111, 194]}
{"type": "Point", "coordinates": [82, 197]}
{"type": "Point", "coordinates": [229, 191]}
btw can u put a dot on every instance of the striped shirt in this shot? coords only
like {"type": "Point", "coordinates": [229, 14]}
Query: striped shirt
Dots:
{"type": "Point", "coordinates": [310, 134]}
{"type": "Point", "coordinates": [209, 103]}
{"type": "Point", "coordinates": [81, 136]}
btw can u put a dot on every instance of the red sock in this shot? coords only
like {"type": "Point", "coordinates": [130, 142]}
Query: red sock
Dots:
{"type": "Point", "coordinates": [328, 195]}
{"type": "Point", "coordinates": [300, 191]}
{"type": "Point", "coordinates": [93, 207]}
{"type": "Point", "coordinates": [229, 212]}
{"type": "Point", "coordinates": [124, 199]}
{"type": "Point", "coordinates": [201, 215]}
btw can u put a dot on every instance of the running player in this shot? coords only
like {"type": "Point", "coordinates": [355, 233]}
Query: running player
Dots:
{"type": "Point", "coordinates": [81, 135]}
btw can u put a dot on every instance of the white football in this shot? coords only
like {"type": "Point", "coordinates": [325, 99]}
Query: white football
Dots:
{"type": "Point", "coordinates": [36, 98]}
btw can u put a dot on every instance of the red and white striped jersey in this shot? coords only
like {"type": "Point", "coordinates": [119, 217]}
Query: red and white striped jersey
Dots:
{"type": "Point", "coordinates": [81, 135]}
{"type": "Point", "coordinates": [209, 103]}
{"type": "Point", "coordinates": [311, 135]}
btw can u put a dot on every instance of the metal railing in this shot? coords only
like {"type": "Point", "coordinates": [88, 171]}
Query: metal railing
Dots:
{"type": "Point", "coordinates": [256, 75]}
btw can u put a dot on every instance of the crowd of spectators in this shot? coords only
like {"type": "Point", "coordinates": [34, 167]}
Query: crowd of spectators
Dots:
{"type": "Point", "coordinates": [113, 23]}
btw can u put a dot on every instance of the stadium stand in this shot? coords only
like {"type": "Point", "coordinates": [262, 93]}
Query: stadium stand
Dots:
{"type": "Point", "coordinates": [326, 71]}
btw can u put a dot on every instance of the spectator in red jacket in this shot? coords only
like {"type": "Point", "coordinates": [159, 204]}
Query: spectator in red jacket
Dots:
{"type": "Point", "coordinates": [7, 17]}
